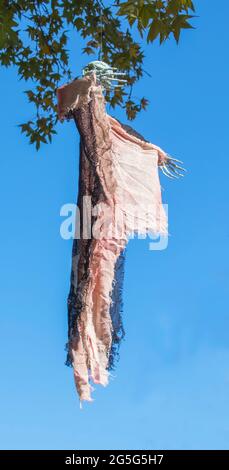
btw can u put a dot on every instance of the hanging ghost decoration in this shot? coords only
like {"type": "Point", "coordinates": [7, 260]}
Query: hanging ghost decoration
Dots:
{"type": "Point", "coordinates": [119, 195]}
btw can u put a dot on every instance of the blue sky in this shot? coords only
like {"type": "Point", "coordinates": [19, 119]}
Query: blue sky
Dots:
{"type": "Point", "coordinates": [170, 389]}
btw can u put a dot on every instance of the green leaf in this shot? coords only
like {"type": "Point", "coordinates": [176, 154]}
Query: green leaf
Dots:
{"type": "Point", "coordinates": [34, 39]}
{"type": "Point", "coordinates": [154, 31]}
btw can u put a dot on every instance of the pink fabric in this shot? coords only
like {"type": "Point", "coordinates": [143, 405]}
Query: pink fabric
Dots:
{"type": "Point", "coordinates": [127, 168]}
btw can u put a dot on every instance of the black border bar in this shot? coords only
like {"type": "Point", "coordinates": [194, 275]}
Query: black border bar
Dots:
{"type": "Point", "coordinates": [101, 458]}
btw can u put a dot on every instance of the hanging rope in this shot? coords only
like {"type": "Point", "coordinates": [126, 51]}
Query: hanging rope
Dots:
{"type": "Point", "coordinates": [101, 35]}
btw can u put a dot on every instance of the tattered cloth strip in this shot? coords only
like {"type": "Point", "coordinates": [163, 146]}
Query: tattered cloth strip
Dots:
{"type": "Point", "coordinates": [118, 177]}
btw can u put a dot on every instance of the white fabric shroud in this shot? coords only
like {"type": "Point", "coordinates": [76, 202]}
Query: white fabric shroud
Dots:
{"type": "Point", "coordinates": [119, 175]}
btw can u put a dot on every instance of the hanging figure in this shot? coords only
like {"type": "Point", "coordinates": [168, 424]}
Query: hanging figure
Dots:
{"type": "Point", "coordinates": [119, 195]}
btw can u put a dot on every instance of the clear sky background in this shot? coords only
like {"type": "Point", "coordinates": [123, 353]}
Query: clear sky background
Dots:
{"type": "Point", "coordinates": [171, 385]}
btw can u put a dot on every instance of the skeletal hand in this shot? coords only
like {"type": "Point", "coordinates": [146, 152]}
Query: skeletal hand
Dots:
{"type": "Point", "coordinates": [171, 168]}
